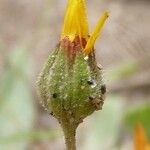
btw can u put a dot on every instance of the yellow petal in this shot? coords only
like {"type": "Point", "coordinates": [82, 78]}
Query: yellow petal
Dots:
{"type": "Point", "coordinates": [69, 27]}
{"type": "Point", "coordinates": [96, 32]}
{"type": "Point", "coordinates": [140, 138]}
{"type": "Point", "coordinates": [75, 22]}
{"type": "Point", "coordinates": [83, 28]}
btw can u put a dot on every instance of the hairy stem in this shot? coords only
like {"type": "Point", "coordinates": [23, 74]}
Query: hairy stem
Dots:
{"type": "Point", "coordinates": [70, 137]}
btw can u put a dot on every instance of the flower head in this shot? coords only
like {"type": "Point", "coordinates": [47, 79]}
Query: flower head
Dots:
{"type": "Point", "coordinates": [71, 84]}
{"type": "Point", "coordinates": [76, 25]}
{"type": "Point", "coordinates": [141, 141]}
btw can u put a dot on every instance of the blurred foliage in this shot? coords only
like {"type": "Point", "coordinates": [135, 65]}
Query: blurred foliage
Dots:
{"type": "Point", "coordinates": [122, 71]}
{"type": "Point", "coordinates": [30, 136]}
{"type": "Point", "coordinates": [104, 125]}
{"type": "Point", "coordinates": [139, 114]}
{"type": "Point", "coordinates": [17, 110]}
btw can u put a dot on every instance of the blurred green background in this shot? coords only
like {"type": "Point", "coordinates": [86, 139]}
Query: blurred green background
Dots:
{"type": "Point", "coordinates": [28, 32]}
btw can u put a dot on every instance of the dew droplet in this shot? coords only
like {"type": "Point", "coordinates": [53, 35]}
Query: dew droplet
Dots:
{"type": "Point", "coordinates": [90, 82]}
{"type": "Point", "coordinates": [86, 58]}
{"type": "Point", "coordinates": [94, 85]}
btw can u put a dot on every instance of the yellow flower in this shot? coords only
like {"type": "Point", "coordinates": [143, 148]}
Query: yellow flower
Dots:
{"type": "Point", "coordinates": [141, 141]}
{"type": "Point", "coordinates": [76, 25]}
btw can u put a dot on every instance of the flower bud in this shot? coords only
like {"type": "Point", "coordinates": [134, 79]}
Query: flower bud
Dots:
{"type": "Point", "coordinates": [71, 83]}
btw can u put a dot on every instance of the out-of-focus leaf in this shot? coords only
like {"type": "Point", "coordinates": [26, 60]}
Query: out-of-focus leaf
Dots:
{"type": "Point", "coordinates": [16, 102]}
{"type": "Point", "coordinates": [31, 136]}
{"type": "Point", "coordinates": [139, 114]}
{"type": "Point", "coordinates": [103, 129]}
{"type": "Point", "coordinates": [123, 71]}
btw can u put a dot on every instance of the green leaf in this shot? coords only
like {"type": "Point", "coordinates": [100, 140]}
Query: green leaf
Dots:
{"type": "Point", "coordinates": [17, 111]}
{"type": "Point", "coordinates": [123, 71]}
{"type": "Point", "coordinates": [31, 136]}
{"type": "Point", "coordinates": [139, 114]}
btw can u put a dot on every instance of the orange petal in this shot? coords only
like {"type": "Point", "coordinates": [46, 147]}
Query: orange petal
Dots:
{"type": "Point", "coordinates": [140, 138]}
{"type": "Point", "coordinates": [147, 147]}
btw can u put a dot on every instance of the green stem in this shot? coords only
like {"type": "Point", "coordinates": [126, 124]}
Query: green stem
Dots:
{"type": "Point", "coordinates": [70, 139]}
